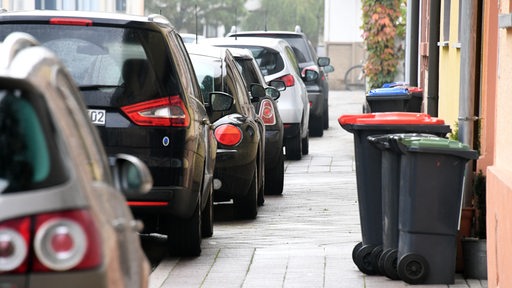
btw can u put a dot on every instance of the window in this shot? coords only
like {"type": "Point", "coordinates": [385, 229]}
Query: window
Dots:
{"type": "Point", "coordinates": [446, 20]}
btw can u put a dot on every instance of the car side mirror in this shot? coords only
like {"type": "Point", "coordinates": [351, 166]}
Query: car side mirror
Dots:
{"type": "Point", "coordinates": [257, 92]}
{"type": "Point", "coordinates": [278, 84]}
{"type": "Point", "coordinates": [220, 101]}
{"type": "Point", "coordinates": [323, 61]}
{"type": "Point", "coordinates": [131, 176]}
{"type": "Point", "coordinates": [310, 75]}
{"type": "Point", "coordinates": [328, 69]}
{"type": "Point", "coordinates": [272, 93]}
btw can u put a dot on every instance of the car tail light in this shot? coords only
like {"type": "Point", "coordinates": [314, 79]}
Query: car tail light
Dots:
{"type": "Point", "coordinates": [71, 21]}
{"type": "Point", "coordinates": [168, 111]}
{"type": "Point", "coordinates": [66, 240]}
{"type": "Point", "coordinates": [228, 134]}
{"type": "Point", "coordinates": [288, 80]}
{"type": "Point", "coordinates": [267, 112]}
{"type": "Point", "coordinates": [14, 241]}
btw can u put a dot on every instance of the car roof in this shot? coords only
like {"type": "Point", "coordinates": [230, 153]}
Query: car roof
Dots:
{"type": "Point", "coordinates": [274, 43]}
{"type": "Point", "coordinates": [205, 50]}
{"type": "Point", "coordinates": [96, 17]}
{"type": "Point", "coordinates": [262, 32]}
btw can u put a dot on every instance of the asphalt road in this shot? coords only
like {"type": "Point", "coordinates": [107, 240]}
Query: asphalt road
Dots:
{"type": "Point", "coordinates": [303, 238]}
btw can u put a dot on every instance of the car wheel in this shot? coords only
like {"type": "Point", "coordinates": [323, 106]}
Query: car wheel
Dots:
{"type": "Point", "coordinates": [247, 207]}
{"type": "Point", "coordinates": [305, 145]}
{"type": "Point", "coordinates": [316, 126]}
{"type": "Point", "coordinates": [274, 177]}
{"type": "Point", "coordinates": [294, 148]}
{"type": "Point", "coordinates": [184, 238]}
{"type": "Point", "coordinates": [207, 216]}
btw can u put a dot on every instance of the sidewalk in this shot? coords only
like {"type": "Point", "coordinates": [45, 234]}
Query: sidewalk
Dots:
{"type": "Point", "coordinates": [303, 238]}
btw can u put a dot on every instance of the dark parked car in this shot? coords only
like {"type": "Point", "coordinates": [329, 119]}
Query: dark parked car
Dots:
{"type": "Point", "coordinates": [63, 219]}
{"type": "Point", "coordinates": [137, 81]}
{"type": "Point", "coordinates": [240, 132]}
{"type": "Point", "coordinates": [266, 107]}
{"type": "Point", "coordinates": [318, 89]}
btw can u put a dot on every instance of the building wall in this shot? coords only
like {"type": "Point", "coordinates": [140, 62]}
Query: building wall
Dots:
{"type": "Point", "coordinates": [342, 38]}
{"type": "Point", "coordinates": [135, 7]}
{"type": "Point", "coordinates": [449, 67]}
{"type": "Point", "coordinates": [499, 176]}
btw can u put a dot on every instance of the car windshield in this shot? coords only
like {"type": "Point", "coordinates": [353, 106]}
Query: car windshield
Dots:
{"type": "Point", "coordinates": [29, 157]}
{"type": "Point", "coordinates": [105, 58]}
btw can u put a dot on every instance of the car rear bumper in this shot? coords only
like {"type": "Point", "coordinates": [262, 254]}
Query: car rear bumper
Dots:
{"type": "Point", "coordinates": [234, 181]}
{"type": "Point", "coordinates": [273, 146]}
{"type": "Point", "coordinates": [316, 104]}
{"type": "Point", "coordinates": [173, 201]}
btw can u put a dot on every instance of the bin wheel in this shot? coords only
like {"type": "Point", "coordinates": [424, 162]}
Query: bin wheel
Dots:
{"type": "Point", "coordinates": [365, 261]}
{"type": "Point", "coordinates": [380, 262]}
{"type": "Point", "coordinates": [412, 268]}
{"type": "Point", "coordinates": [375, 256]}
{"type": "Point", "coordinates": [389, 264]}
{"type": "Point", "coordinates": [355, 250]}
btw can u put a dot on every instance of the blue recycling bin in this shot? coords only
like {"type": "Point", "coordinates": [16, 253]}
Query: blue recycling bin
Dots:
{"type": "Point", "coordinates": [392, 99]}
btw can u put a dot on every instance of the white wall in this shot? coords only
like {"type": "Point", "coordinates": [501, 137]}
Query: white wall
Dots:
{"type": "Point", "coordinates": [343, 21]}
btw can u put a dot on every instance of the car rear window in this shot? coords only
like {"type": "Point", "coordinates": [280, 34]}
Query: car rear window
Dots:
{"type": "Point", "coordinates": [127, 65]}
{"type": "Point", "coordinates": [298, 43]}
{"type": "Point", "coordinates": [29, 157]}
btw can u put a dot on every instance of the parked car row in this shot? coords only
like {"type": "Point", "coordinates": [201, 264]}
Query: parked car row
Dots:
{"type": "Point", "coordinates": [172, 127]}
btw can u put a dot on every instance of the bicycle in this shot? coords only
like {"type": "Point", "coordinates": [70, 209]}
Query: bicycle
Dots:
{"type": "Point", "coordinates": [355, 79]}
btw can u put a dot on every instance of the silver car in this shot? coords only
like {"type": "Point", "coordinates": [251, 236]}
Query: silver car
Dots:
{"type": "Point", "coordinates": [277, 61]}
{"type": "Point", "coordinates": [63, 220]}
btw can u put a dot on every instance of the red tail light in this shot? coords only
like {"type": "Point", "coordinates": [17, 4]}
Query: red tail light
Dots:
{"type": "Point", "coordinates": [14, 242]}
{"type": "Point", "coordinates": [288, 80]}
{"type": "Point", "coordinates": [71, 21]}
{"type": "Point", "coordinates": [66, 240]}
{"type": "Point", "coordinates": [168, 111]}
{"type": "Point", "coordinates": [228, 134]}
{"type": "Point", "coordinates": [267, 112]}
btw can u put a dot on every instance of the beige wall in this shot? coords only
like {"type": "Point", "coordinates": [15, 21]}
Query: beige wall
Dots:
{"type": "Point", "coordinates": [343, 56]}
{"type": "Point", "coordinates": [499, 176]}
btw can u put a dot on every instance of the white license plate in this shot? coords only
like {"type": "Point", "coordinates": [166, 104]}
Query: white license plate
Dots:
{"type": "Point", "coordinates": [97, 116]}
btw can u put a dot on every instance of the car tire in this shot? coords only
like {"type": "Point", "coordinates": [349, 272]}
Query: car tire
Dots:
{"type": "Point", "coordinates": [184, 238]}
{"type": "Point", "coordinates": [326, 116]}
{"type": "Point", "coordinates": [305, 145]}
{"type": "Point", "coordinates": [294, 147]}
{"type": "Point", "coordinates": [247, 207]}
{"type": "Point", "coordinates": [207, 216]}
{"type": "Point", "coordinates": [274, 177]}
{"type": "Point", "coordinates": [316, 126]}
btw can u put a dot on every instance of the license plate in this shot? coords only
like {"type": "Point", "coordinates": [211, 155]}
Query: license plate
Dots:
{"type": "Point", "coordinates": [97, 116]}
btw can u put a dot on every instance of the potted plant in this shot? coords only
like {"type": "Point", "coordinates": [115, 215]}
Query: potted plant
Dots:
{"type": "Point", "coordinates": [475, 247]}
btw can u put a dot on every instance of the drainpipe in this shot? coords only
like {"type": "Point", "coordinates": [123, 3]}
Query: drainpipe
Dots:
{"type": "Point", "coordinates": [433, 58]}
{"type": "Point", "coordinates": [411, 47]}
{"type": "Point", "coordinates": [468, 14]}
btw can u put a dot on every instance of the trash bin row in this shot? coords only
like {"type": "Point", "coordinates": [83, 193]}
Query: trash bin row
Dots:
{"type": "Point", "coordinates": [394, 97]}
{"type": "Point", "coordinates": [409, 182]}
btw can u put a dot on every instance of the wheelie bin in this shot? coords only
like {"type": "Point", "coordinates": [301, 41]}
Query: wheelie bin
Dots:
{"type": "Point", "coordinates": [390, 177]}
{"type": "Point", "coordinates": [368, 172]}
{"type": "Point", "coordinates": [392, 99]}
{"type": "Point", "coordinates": [416, 101]}
{"type": "Point", "coordinates": [431, 181]}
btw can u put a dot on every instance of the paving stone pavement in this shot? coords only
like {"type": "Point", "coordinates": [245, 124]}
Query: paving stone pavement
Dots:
{"type": "Point", "coordinates": [303, 238]}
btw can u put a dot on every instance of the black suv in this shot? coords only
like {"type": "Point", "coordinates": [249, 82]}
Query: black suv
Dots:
{"type": "Point", "coordinates": [318, 90]}
{"type": "Point", "coordinates": [138, 83]}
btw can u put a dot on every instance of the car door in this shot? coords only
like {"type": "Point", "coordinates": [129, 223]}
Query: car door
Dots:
{"type": "Point", "coordinates": [115, 221]}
